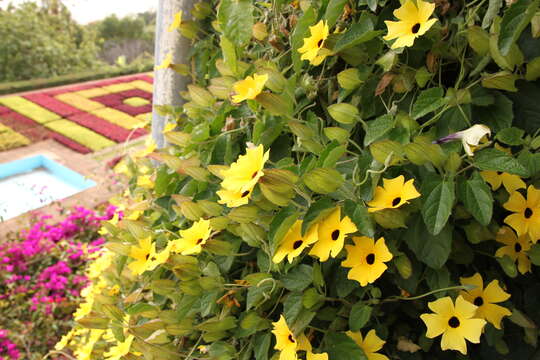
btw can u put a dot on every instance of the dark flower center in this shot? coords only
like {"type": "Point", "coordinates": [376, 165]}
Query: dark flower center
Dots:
{"type": "Point", "coordinates": [478, 301]}
{"type": "Point", "coordinates": [453, 322]}
{"type": "Point", "coordinates": [499, 172]}
{"type": "Point", "coordinates": [370, 259]}
{"type": "Point", "coordinates": [254, 174]}
{"type": "Point", "coordinates": [517, 247]}
{"type": "Point", "coordinates": [291, 339]}
{"type": "Point", "coordinates": [396, 201]}
{"type": "Point", "coordinates": [147, 256]}
{"type": "Point", "coordinates": [297, 244]}
{"type": "Point", "coordinates": [199, 241]}
{"type": "Point", "coordinates": [245, 193]}
{"type": "Point", "coordinates": [415, 28]}
{"type": "Point", "coordinates": [335, 234]}
{"type": "Point", "coordinates": [528, 213]}
{"type": "Point", "coordinates": [319, 43]}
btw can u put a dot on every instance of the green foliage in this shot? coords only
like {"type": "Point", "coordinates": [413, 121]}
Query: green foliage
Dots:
{"type": "Point", "coordinates": [341, 137]}
{"type": "Point", "coordinates": [36, 43]}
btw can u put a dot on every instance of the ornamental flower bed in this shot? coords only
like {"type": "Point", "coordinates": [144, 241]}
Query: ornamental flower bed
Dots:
{"type": "Point", "coordinates": [346, 180]}
{"type": "Point", "coordinates": [41, 278]}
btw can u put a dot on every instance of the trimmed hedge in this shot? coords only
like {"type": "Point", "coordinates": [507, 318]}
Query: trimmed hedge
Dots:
{"type": "Point", "coordinates": [35, 84]}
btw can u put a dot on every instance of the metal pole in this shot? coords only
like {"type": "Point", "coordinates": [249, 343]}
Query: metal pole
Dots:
{"type": "Point", "coordinates": [168, 83]}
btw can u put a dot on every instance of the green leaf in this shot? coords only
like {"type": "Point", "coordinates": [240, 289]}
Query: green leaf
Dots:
{"type": "Point", "coordinates": [357, 34]}
{"type": "Point", "coordinates": [476, 196]}
{"type": "Point", "coordinates": [534, 254]}
{"type": "Point", "coordinates": [514, 20]}
{"type": "Point", "coordinates": [281, 223]}
{"type": "Point", "coordinates": [510, 136]}
{"type": "Point", "coordinates": [334, 9]}
{"type": "Point", "coordinates": [503, 80]}
{"type": "Point", "coordinates": [229, 54]}
{"type": "Point", "coordinates": [359, 215]}
{"type": "Point", "coordinates": [496, 160]}
{"type": "Point", "coordinates": [428, 101]}
{"type": "Point", "coordinates": [343, 113]}
{"type": "Point", "coordinates": [317, 211]}
{"type": "Point", "coordinates": [323, 180]}
{"type": "Point", "coordinates": [339, 346]}
{"type": "Point", "coordinates": [298, 279]}
{"type": "Point", "coordinates": [438, 206]}
{"type": "Point", "coordinates": [492, 11]}
{"type": "Point", "coordinates": [359, 316]}
{"type": "Point", "coordinates": [261, 345]}
{"type": "Point", "coordinates": [300, 31]}
{"type": "Point", "coordinates": [235, 19]}
{"type": "Point", "coordinates": [432, 250]}
{"type": "Point", "coordinates": [378, 127]}
{"type": "Point", "coordinates": [508, 265]}
{"type": "Point", "coordinates": [497, 116]}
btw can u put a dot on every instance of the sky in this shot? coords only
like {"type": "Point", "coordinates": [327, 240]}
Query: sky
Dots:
{"type": "Point", "coordinates": [85, 11]}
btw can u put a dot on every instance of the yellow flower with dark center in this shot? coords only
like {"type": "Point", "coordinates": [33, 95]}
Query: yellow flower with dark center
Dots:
{"type": "Point", "coordinates": [485, 299]}
{"type": "Point", "coordinates": [366, 258]}
{"type": "Point", "coordinates": [456, 323]}
{"type": "Point", "coordinates": [141, 254]}
{"type": "Point", "coordinates": [192, 239]}
{"type": "Point", "coordinates": [515, 247]}
{"type": "Point", "coordinates": [332, 232]}
{"type": "Point", "coordinates": [233, 198]}
{"type": "Point", "coordinates": [413, 22]}
{"type": "Point", "coordinates": [294, 243]}
{"type": "Point", "coordinates": [526, 217]}
{"type": "Point", "coordinates": [313, 49]}
{"type": "Point", "coordinates": [177, 20]}
{"type": "Point", "coordinates": [394, 193]}
{"type": "Point", "coordinates": [121, 349]}
{"type": "Point", "coordinates": [305, 345]}
{"type": "Point", "coordinates": [497, 178]}
{"type": "Point", "coordinates": [242, 176]}
{"type": "Point", "coordinates": [249, 88]}
{"type": "Point", "coordinates": [370, 344]}
{"type": "Point", "coordinates": [285, 341]}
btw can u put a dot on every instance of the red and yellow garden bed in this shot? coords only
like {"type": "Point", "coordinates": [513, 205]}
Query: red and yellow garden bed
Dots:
{"type": "Point", "coordinates": [84, 117]}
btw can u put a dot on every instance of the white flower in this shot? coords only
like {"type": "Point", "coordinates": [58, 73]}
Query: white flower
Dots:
{"type": "Point", "coordinates": [469, 137]}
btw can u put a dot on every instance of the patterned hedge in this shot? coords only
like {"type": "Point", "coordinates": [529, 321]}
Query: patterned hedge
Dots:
{"type": "Point", "coordinates": [84, 117]}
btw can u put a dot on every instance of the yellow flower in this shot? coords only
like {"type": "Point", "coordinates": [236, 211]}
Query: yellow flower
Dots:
{"type": "Point", "coordinates": [233, 198]}
{"type": "Point", "coordinates": [64, 340]}
{"type": "Point", "coordinates": [168, 128]}
{"type": "Point", "coordinates": [145, 181]}
{"type": "Point", "coordinates": [332, 232]}
{"type": "Point", "coordinates": [497, 178]}
{"type": "Point", "coordinates": [285, 340]}
{"type": "Point", "coordinates": [85, 352]}
{"type": "Point", "coordinates": [192, 239]}
{"type": "Point", "coordinates": [367, 259]}
{"type": "Point", "coordinates": [414, 22]}
{"type": "Point", "coordinates": [370, 344]}
{"type": "Point", "coordinates": [167, 62]}
{"type": "Point", "coordinates": [393, 194]}
{"type": "Point", "coordinates": [516, 248]}
{"type": "Point", "coordinates": [177, 20]}
{"type": "Point", "coordinates": [455, 323]}
{"type": "Point", "coordinates": [114, 221]}
{"type": "Point", "coordinates": [305, 345]}
{"type": "Point", "coordinates": [120, 349]}
{"type": "Point", "coordinates": [312, 49]}
{"type": "Point", "coordinates": [150, 147]}
{"type": "Point", "coordinates": [249, 88]}
{"type": "Point", "coordinates": [294, 243]}
{"type": "Point", "coordinates": [526, 217]}
{"type": "Point", "coordinates": [141, 254]}
{"type": "Point", "coordinates": [486, 298]}
{"type": "Point", "coordinates": [242, 176]}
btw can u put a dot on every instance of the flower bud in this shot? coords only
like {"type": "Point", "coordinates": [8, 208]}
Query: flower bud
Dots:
{"type": "Point", "coordinates": [259, 31]}
{"type": "Point", "coordinates": [344, 113]}
{"type": "Point", "coordinates": [349, 79]}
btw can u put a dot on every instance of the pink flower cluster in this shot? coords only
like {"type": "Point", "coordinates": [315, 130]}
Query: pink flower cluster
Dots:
{"type": "Point", "coordinates": [8, 350]}
{"type": "Point", "coordinates": [42, 272]}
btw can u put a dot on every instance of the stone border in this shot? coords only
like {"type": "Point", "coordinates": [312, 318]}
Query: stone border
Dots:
{"type": "Point", "coordinates": [85, 165]}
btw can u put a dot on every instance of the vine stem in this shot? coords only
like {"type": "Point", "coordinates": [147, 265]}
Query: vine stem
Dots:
{"type": "Point", "coordinates": [459, 287]}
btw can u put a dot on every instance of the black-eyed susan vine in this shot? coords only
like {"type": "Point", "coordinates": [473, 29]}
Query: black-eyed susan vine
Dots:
{"type": "Point", "coordinates": [347, 180]}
